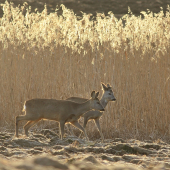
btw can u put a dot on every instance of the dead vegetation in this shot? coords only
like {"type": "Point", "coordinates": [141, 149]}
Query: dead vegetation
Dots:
{"type": "Point", "coordinates": [49, 56]}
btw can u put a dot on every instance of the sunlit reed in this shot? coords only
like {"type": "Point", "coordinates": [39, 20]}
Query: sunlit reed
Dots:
{"type": "Point", "coordinates": [50, 56]}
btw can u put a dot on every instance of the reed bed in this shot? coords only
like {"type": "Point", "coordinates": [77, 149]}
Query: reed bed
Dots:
{"type": "Point", "coordinates": [50, 56]}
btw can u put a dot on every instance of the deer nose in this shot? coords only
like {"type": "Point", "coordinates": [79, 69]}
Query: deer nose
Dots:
{"type": "Point", "coordinates": [114, 99]}
{"type": "Point", "coordinates": [101, 109]}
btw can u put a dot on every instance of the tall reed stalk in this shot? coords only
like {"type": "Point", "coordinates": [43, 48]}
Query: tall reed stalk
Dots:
{"type": "Point", "coordinates": [49, 56]}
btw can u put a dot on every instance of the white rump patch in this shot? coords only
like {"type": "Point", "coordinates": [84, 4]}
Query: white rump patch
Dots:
{"type": "Point", "coordinates": [24, 108]}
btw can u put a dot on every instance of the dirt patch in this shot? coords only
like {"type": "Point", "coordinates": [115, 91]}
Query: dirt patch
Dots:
{"type": "Point", "coordinates": [46, 150]}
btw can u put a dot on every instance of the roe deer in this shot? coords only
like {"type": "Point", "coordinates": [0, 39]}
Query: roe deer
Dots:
{"type": "Point", "coordinates": [95, 115]}
{"type": "Point", "coordinates": [59, 110]}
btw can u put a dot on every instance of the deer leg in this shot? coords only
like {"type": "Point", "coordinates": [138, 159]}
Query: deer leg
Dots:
{"type": "Point", "coordinates": [77, 125]}
{"type": "Point", "coordinates": [84, 125]}
{"type": "Point", "coordinates": [28, 125]}
{"type": "Point", "coordinates": [99, 129]}
{"type": "Point", "coordinates": [17, 120]}
{"type": "Point", "coordinates": [62, 129]}
{"type": "Point", "coordinates": [85, 122]}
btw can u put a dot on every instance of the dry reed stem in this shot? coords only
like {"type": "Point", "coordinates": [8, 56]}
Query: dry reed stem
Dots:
{"type": "Point", "coordinates": [49, 56]}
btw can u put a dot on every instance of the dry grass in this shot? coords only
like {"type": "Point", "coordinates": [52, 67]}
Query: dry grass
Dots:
{"type": "Point", "coordinates": [49, 56]}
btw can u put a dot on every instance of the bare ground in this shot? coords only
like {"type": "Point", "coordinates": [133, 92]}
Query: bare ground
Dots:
{"type": "Point", "coordinates": [45, 150]}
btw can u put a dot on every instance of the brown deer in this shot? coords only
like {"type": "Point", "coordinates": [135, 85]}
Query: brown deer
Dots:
{"type": "Point", "coordinates": [59, 110]}
{"type": "Point", "coordinates": [94, 114]}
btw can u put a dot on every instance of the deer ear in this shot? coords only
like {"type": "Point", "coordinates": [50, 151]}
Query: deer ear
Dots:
{"type": "Point", "coordinates": [97, 94]}
{"type": "Point", "coordinates": [93, 94]}
{"type": "Point", "coordinates": [108, 85]}
{"type": "Point", "coordinates": [104, 87]}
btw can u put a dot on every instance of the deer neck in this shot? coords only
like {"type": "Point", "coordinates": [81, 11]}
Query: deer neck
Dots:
{"type": "Point", "coordinates": [103, 102]}
{"type": "Point", "coordinates": [83, 108]}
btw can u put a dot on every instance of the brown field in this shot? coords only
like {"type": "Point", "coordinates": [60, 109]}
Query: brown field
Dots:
{"type": "Point", "coordinates": [50, 56]}
{"type": "Point", "coordinates": [45, 150]}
